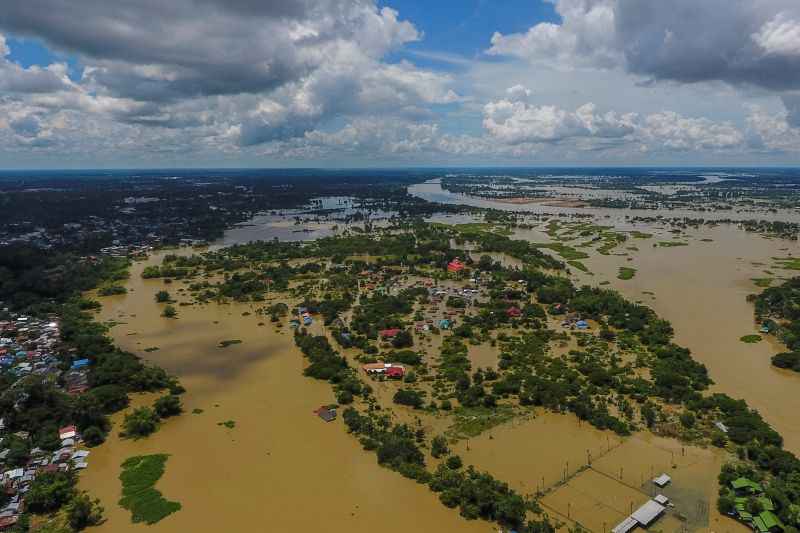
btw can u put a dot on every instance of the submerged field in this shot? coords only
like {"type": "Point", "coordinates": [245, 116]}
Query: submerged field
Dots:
{"type": "Point", "coordinates": [277, 458]}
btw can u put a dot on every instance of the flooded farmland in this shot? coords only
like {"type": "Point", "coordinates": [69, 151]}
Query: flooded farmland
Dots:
{"type": "Point", "coordinates": [279, 459]}
{"type": "Point", "coordinates": [700, 287]}
{"type": "Point", "coordinates": [280, 466]}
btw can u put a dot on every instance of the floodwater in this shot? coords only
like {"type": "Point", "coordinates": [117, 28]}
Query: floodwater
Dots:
{"type": "Point", "coordinates": [433, 192]}
{"type": "Point", "coordinates": [280, 468]}
{"type": "Point", "coordinates": [595, 478]}
{"type": "Point", "coordinates": [702, 289]}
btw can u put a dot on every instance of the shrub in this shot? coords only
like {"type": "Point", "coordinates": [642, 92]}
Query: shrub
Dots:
{"type": "Point", "coordinates": [169, 405]}
{"type": "Point", "coordinates": [139, 423]}
{"type": "Point", "coordinates": [408, 397]}
{"type": "Point", "coordinates": [439, 446]}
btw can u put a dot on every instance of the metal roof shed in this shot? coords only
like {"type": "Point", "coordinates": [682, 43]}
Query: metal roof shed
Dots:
{"type": "Point", "coordinates": [662, 480]}
{"type": "Point", "coordinates": [625, 526]}
{"type": "Point", "coordinates": [647, 513]}
{"type": "Point", "coordinates": [661, 499]}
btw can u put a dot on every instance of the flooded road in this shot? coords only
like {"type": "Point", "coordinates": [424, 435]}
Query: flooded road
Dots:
{"type": "Point", "coordinates": [280, 468]}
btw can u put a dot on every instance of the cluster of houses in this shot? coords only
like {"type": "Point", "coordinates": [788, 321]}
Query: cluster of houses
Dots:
{"type": "Point", "coordinates": [303, 316]}
{"type": "Point", "coordinates": [388, 370]}
{"type": "Point", "coordinates": [126, 232]}
{"type": "Point", "coordinates": [16, 480]}
{"type": "Point", "coordinates": [27, 346]}
{"type": "Point", "coordinates": [764, 520]}
{"type": "Point", "coordinates": [574, 321]}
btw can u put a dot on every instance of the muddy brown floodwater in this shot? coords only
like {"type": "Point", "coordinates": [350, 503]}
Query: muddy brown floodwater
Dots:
{"type": "Point", "coordinates": [280, 468]}
{"type": "Point", "coordinates": [702, 290]}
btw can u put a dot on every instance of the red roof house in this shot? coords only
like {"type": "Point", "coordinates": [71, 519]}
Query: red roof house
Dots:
{"type": "Point", "coordinates": [513, 312]}
{"type": "Point", "coordinates": [396, 372]}
{"type": "Point", "coordinates": [67, 432]}
{"type": "Point", "coordinates": [455, 265]}
{"type": "Point", "coordinates": [8, 521]}
{"type": "Point", "coordinates": [389, 333]}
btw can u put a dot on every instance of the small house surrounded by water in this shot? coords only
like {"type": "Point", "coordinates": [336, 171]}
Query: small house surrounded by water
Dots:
{"type": "Point", "coordinates": [326, 413]}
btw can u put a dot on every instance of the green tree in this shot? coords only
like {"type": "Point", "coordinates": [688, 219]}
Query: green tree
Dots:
{"type": "Point", "coordinates": [49, 491]}
{"type": "Point", "coordinates": [687, 419]}
{"type": "Point", "coordinates": [83, 511]}
{"type": "Point", "coordinates": [439, 446]}
{"type": "Point", "coordinates": [141, 422]}
{"type": "Point", "coordinates": [163, 297]}
{"type": "Point", "coordinates": [403, 340]}
{"type": "Point", "coordinates": [167, 406]}
{"type": "Point", "coordinates": [408, 397]}
{"type": "Point", "coordinates": [454, 462]}
{"type": "Point", "coordinates": [93, 436]}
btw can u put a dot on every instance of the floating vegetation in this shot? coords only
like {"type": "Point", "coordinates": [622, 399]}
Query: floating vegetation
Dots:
{"type": "Point", "coordinates": [762, 282]}
{"type": "Point", "coordinates": [750, 339]}
{"type": "Point", "coordinates": [671, 244]}
{"type": "Point", "coordinates": [230, 424]}
{"type": "Point", "coordinates": [151, 349]}
{"type": "Point", "coordinates": [567, 252]}
{"type": "Point", "coordinates": [139, 496]}
{"type": "Point", "coordinates": [580, 266]}
{"type": "Point", "coordinates": [787, 263]}
{"type": "Point", "coordinates": [626, 273]}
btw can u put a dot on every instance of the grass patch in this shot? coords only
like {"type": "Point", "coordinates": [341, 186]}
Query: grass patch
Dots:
{"type": "Point", "coordinates": [139, 496]}
{"type": "Point", "coordinates": [750, 339]}
{"type": "Point", "coordinates": [787, 263]}
{"type": "Point", "coordinates": [472, 421]}
{"type": "Point", "coordinates": [567, 252]}
{"type": "Point", "coordinates": [640, 235]}
{"type": "Point", "coordinates": [672, 244]}
{"type": "Point", "coordinates": [762, 282]}
{"type": "Point", "coordinates": [229, 342]}
{"type": "Point", "coordinates": [626, 273]}
{"type": "Point", "coordinates": [580, 266]}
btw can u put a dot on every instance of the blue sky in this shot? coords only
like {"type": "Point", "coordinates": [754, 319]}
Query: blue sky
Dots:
{"type": "Point", "coordinates": [465, 27]}
{"type": "Point", "coordinates": [399, 83]}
